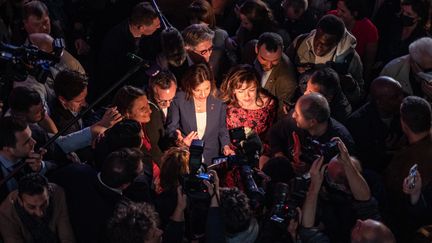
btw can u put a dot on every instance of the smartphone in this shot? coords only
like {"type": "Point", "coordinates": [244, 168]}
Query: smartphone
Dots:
{"type": "Point", "coordinates": [412, 176]}
{"type": "Point", "coordinates": [204, 176]}
{"type": "Point", "coordinates": [219, 160]}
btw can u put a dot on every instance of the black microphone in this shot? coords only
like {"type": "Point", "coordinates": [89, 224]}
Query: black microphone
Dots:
{"type": "Point", "coordinates": [151, 69]}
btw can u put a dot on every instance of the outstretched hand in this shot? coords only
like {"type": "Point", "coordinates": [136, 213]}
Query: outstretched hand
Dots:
{"type": "Point", "coordinates": [188, 139]}
{"type": "Point", "coordinates": [317, 174]}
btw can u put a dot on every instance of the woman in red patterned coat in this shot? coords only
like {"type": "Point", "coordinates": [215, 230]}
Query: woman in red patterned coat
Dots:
{"type": "Point", "coordinates": [248, 105]}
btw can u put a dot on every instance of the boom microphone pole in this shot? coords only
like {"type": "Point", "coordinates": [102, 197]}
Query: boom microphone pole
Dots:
{"type": "Point", "coordinates": [164, 21]}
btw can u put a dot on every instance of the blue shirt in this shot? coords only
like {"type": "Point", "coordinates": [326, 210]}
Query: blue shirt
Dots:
{"type": "Point", "coordinates": [7, 167]}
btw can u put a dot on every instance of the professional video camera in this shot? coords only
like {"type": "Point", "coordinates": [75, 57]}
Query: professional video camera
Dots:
{"type": "Point", "coordinates": [29, 59]}
{"type": "Point", "coordinates": [313, 149]}
{"type": "Point", "coordinates": [192, 183]}
{"type": "Point", "coordinates": [248, 148]}
{"type": "Point", "coordinates": [287, 199]}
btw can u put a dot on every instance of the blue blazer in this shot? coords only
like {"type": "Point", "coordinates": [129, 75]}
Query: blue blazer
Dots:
{"type": "Point", "coordinates": [181, 115]}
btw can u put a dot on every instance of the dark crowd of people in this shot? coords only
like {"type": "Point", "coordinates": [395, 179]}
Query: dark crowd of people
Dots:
{"type": "Point", "coordinates": [216, 121]}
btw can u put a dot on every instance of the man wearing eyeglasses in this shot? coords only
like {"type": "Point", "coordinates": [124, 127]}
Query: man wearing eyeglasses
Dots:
{"type": "Point", "coordinates": [414, 71]}
{"type": "Point", "coordinates": [161, 91]}
{"type": "Point", "coordinates": [198, 40]}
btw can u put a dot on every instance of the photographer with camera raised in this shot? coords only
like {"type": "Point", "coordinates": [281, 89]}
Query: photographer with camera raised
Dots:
{"type": "Point", "coordinates": [307, 133]}
{"type": "Point", "coordinates": [202, 190]}
{"type": "Point", "coordinates": [340, 199]}
{"type": "Point", "coordinates": [41, 78]}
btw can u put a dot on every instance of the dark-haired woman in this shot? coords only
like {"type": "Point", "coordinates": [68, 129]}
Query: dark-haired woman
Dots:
{"type": "Point", "coordinates": [196, 113]}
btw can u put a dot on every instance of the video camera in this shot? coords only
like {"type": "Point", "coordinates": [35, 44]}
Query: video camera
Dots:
{"type": "Point", "coordinates": [29, 59]}
{"type": "Point", "coordinates": [313, 149]}
{"type": "Point", "coordinates": [248, 148]}
{"type": "Point", "coordinates": [192, 183]}
{"type": "Point", "coordinates": [287, 199]}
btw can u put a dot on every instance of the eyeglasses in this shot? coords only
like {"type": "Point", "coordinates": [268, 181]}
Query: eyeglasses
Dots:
{"type": "Point", "coordinates": [164, 102]}
{"type": "Point", "coordinates": [204, 52]}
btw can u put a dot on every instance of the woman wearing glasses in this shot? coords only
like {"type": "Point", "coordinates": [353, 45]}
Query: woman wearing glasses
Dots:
{"type": "Point", "coordinates": [196, 113]}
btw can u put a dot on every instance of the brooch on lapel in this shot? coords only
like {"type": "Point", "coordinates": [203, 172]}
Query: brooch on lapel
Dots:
{"type": "Point", "coordinates": [212, 107]}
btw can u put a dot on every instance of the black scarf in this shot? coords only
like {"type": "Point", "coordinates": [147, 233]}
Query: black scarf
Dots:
{"type": "Point", "coordinates": [38, 228]}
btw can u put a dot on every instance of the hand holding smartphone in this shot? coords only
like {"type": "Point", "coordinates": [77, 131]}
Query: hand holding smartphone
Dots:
{"type": "Point", "coordinates": [412, 176]}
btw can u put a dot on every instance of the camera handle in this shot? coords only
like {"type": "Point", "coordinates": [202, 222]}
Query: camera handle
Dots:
{"type": "Point", "coordinates": [131, 71]}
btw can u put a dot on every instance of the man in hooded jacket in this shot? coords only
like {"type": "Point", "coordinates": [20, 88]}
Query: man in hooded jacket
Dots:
{"type": "Point", "coordinates": [330, 45]}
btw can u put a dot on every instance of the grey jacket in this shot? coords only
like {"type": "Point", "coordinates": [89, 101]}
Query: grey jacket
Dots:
{"type": "Point", "coordinates": [344, 50]}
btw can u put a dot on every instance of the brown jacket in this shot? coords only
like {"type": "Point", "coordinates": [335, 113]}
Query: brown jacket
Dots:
{"type": "Point", "coordinates": [282, 81]}
{"type": "Point", "coordinates": [13, 231]}
{"type": "Point", "coordinates": [419, 153]}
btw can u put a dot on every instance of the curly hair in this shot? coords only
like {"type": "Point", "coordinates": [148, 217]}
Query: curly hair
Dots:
{"type": "Point", "coordinates": [174, 163]}
{"type": "Point", "coordinates": [235, 210]}
{"type": "Point", "coordinates": [236, 77]}
{"type": "Point", "coordinates": [132, 222]}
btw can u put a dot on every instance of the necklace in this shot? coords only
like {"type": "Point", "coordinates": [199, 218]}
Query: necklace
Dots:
{"type": "Point", "coordinates": [200, 106]}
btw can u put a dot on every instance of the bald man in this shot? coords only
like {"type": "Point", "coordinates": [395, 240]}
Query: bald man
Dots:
{"type": "Point", "coordinates": [376, 127]}
{"type": "Point", "coordinates": [45, 89]}
{"type": "Point", "coordinates": [310, 120]}
{"type": "Point", "coordinates": [367, 231]}
{"type": "Point", "coordinates": [45, 43]}
{"type": "Point", "coordinates": [341, 193]}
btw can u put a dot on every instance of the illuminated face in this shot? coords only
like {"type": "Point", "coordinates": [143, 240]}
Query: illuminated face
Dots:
{"type": "Point", "coordinates": [24, 144]}
{"type": "Point", "coordinates": [35, 205]}
{"type": "Point", "coordinates": [164, 97]}
{"type": "Point", "coordinates": [77, 103]}
{"type": "Point", "coordinates": [245, 23]}
{"type": "Point", "coordinates": [246, 95]}
{"type": "Point", "coordinates": [268, 59]}
{"type": "Point", "coordinates": [33, 24]}
{"type": "Point", "coordinates": [204, 49]}
{"type": "Point", "coordinates": [140, 110]}
{"type": "Point", "coordinates": [323, 43]}
{"type": "Point", "coordinates": [312, 88]}
{"type": "Point", "coordinates": [202, 91]}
